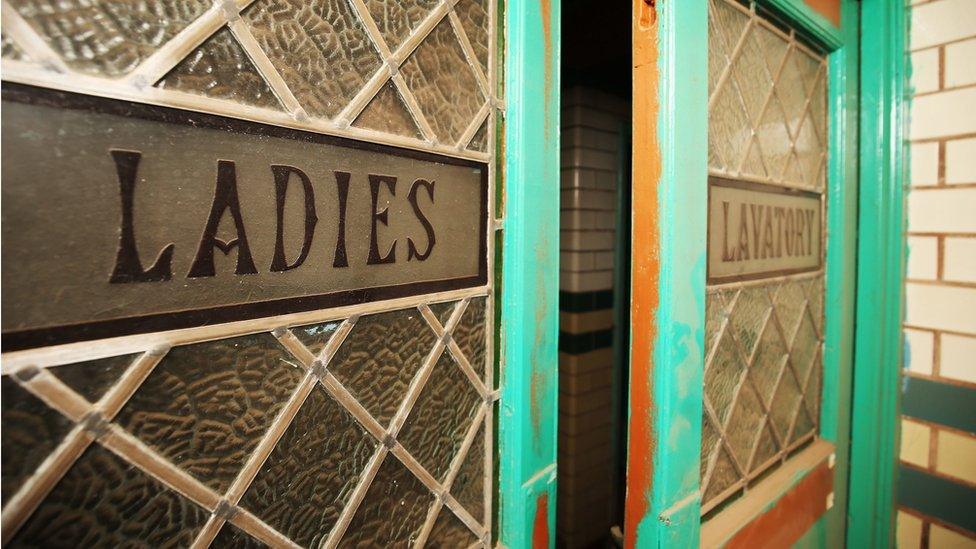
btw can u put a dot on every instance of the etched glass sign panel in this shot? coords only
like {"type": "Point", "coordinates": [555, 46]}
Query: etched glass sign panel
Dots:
{"type": "Point", "coordinates": [192, 219]}
{"type": "Point", "coordinates": [757, 231]}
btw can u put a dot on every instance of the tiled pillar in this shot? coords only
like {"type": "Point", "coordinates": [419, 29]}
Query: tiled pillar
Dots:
{"type": "Point", "coordinates": [937, 481]}
{"type": "Point", "coordinates": [591, 163]}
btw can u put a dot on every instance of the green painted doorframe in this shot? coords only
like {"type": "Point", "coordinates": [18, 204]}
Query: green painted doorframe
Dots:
{"type": "Point", "coordinates": [530, 277]}
{"type": "Point", "coordinates": [668, 502]}
{"type": "Point", "coordinates": [529, 285]}
{"type": "Point", "coordinates": [880, 273]}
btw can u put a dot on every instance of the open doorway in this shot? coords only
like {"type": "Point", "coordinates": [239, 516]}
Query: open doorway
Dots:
{"type": "Point", "coordinates": [594, 272]}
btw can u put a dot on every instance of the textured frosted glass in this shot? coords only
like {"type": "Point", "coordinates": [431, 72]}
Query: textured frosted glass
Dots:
{"type": "Point", "coordinates": [320, 47]}
{"type": "Point", "coordinates": [393, 511]}
{"type": "Point", "coordinates": [316, 336]}
{"type": "Point", "coordinates": [93, 378]}
{"type": "Point", "coordinates": [219, 68]}
{"type": "Point", "coordinates": [479, 141]}
{"type": "Point", "coordinates": [474, 19]}
{"type": "Point", "coordinates": [311, 473]}
{"type": "Point", "coordinates": [450, 532]}
{"type": "Point", "coordinates": [443, 311]}
{"type": "Point", "coordinates": [387, 113]}
{"type": "Point", "coordinates": [440, 418]}
{"type": "Point", "coordinates": [470, 334]}
{"type": "Point", "coordinates": [231, 537]}
{"type": "Point", "coordinates": [398, 19]}
{"type": "Point", "coordinates": [206, 406]}
{"type": "Point", "coordinates": [380, 357]}
{"type": "Point", "coordinates": [31, 430]}
{"type": "Point", "coordinates": [106, 37]}
{"type": "Point", "coordinates": [469, 484]}
{"type": "Point", "coordinates": [440, 78]}
{"type": "Point", "coordinates": [102, 501]}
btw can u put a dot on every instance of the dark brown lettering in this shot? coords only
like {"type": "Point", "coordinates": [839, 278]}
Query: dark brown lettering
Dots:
{"type": "Point", "coordinates": [381, 216]}
{"type": "Point", "coordinates": [428, 228]}
{"type": "Point", "coordinates": [128, 268]}
{"type": "Point", "coordinates": [225, 198]}
{"type": "Point", "coordinates": [282, 174]}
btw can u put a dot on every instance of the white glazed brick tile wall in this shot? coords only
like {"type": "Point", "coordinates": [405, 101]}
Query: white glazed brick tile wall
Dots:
{"type": "Point", "coordinates": [590, 168]}
{"type": "Point", "coordinates": [940, 319]}
{"type": "Point", "coordinates": [941, 271]}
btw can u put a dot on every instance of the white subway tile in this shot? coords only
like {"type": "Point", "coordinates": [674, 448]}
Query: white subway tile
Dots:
{"type": "Point", "coordinates": [923, 257]}
{"type": "Point", "coordinates": [919, 349]}
{"type": "Point", "coordinates": [942, 210]}
{"type": "Point", "coordinates": [603, 260]}
{"type": "Point", "coordinates": [915, 443]}
{"type": "Point", "coordinates": [925, 71]}
{"type": "Point", "coordinates": [960, 259]}
{"type": "Point", "coordinates": [909, 531]}
{"type": "Point", "coordinates": [956, 456]}
{"type": "Point", "coordinates": [961, 161]}
{"type": "Point", "coordinates": [587, 199]}
{"type": "Point", "coordinates": [944, 538]}
{"type": "Point", "coordinates": [577, 220]}
{"type": "Point", "coordinates": [960, 60]}
{"type": "Point", "coordinates": [585, 282]}
{"type": "Point", "coordinates": [958, 357]}
{"type": "Point", "coordinates": [585, 240]}
{"type": "Point", "coordinates": [941, 307]}
{"type": "Point", "coordinates": [940, 22]}
{"type": "Point", "coordinates": [576, 261]}
{"type": "Point", "coordinates": [944, 113]}
{"type": "Point", "coordinates": [925, 163]}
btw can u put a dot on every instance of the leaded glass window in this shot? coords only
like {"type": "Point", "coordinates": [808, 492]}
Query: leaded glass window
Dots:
{"type": "Point", "coordinates": [764, 324]}
{"type": "Point", "coordinates": [365, 424]}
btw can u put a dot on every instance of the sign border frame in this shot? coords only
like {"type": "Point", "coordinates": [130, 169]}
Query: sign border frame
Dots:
{"type": "Point", "coordinates": [19, 340]}
{"type": "Point", "coordinates": [719, 181]}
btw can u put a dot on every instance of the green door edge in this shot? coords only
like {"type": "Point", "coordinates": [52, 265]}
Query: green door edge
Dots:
{"type": "Point", "coordinates": [881, 268]}
{"type": "Point", "coordinates": [529, 290]}
{"type": "Point", "coordinates": [672, 517]}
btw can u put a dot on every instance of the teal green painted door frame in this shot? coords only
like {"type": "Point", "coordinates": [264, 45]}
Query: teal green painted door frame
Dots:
{"type": "Point", "coordinates": [881, 260]}
{"type": "Point", "coordinates": [672, 518]}
{"type": "Point", "coordinates": [673, 499]}
{"type": "Point", "coordinates": [529, 286]}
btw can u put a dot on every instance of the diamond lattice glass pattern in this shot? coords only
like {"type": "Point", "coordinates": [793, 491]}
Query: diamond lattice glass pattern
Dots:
{"type": "Point", "coordinates": [102, 501]}
{"type": "Point", "coordinates": [108, 38]}
{"type": "Point", "coordinates": [415, 70]}
{"type": "Point", "coordinates": [220, 68]}
{"type": "Point", "coordinates": [763, 364]}
{"type": "Point", "coordinates": [767, 115]}
{"type": "Point", "coordinates": [205, 406]}
{"type": "Point", "coordinates": [247, 435]}
{"type": "Point", "coordinates": [253, 424]}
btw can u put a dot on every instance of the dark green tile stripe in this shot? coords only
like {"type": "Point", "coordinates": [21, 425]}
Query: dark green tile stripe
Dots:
{"type": "Point", "coordinates": [577, 344]}
{"type": "Point", "coordinates": [938, 497]}
{"type": "Point", "coordinates": [584, 302]}
{"type": "Point", "coordinates": [949, 405]}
